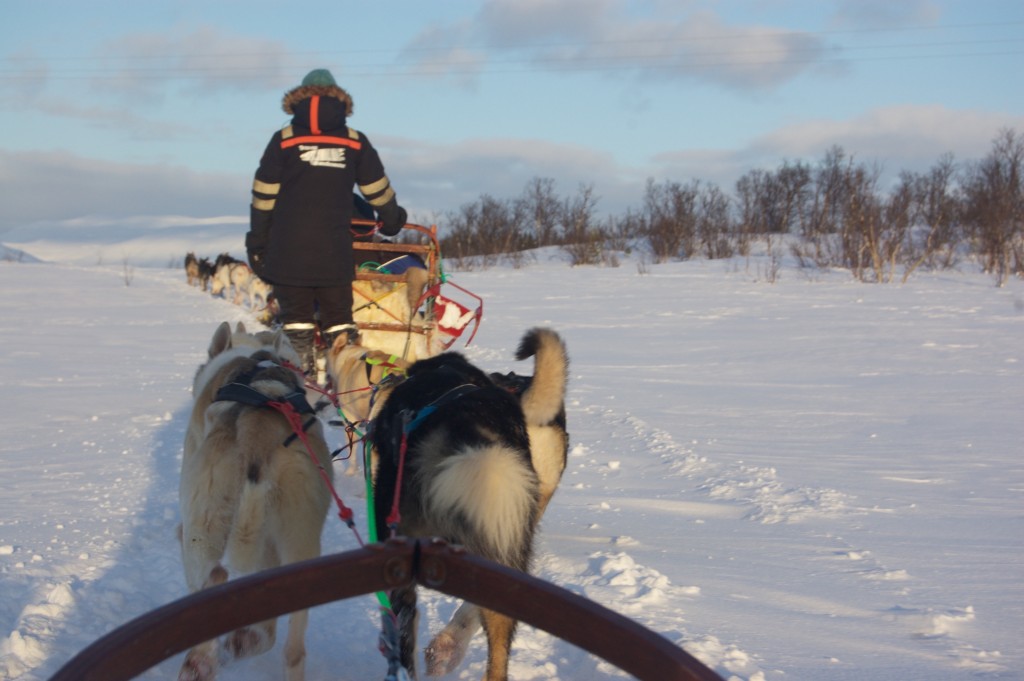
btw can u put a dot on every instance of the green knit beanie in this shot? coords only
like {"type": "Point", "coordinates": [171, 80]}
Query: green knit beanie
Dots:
{"type": "Point", "coordinates": [319, 77]}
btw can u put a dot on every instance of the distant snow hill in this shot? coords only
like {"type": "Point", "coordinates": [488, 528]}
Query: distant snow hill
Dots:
{"type": "Point", "coordinates": [146, 241]}
{"type": "Point", "coordinates": [8, 254]}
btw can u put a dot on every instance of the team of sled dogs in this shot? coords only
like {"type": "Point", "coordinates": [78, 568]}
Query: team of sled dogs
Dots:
{"type": "Point", "coordinates": [482, 455]}
{"type": "Point", "coordinates": [375, 301]}
{"type": "Point", "coordinates": [227, 276]}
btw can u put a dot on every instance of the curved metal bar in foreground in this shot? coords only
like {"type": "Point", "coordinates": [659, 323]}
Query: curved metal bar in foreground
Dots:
{"type": "Point", "coordinates": [146, 641]}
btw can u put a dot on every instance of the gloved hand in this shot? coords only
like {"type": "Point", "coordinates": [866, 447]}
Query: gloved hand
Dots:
{"type": "Point", "coordinates": [257, 263]}
{"type": "Point", "coordinates": [392, 224]}
{"type": "Point", "coordinates": [255, 249]}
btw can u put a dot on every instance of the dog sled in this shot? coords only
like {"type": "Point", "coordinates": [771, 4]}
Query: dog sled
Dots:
{"type": "Point", "coordinates": [153, 637]}
{"type": "Point", "coordinates": [403, 303]}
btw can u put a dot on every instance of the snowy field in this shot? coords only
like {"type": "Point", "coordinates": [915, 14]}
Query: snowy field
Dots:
{"type": "Point", "coordinates": [810, 479]}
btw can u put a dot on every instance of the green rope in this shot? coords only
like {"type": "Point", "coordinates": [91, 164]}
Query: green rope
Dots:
{"type": "Point", "coordinates": [370, 265]}
{"type": "Point", "coordinates": [371, 515]}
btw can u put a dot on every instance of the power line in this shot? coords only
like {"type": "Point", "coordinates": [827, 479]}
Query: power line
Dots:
{"type": "Point", "coordinates": [582, 61]}
{"type": "Point", "coordinates": [736, 35]}
{"type": "Point", "coordinates": [585, 65]}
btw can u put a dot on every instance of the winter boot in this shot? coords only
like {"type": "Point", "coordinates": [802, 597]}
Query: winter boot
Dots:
{"type": "Point", "coordinates": [350, 330]}
{"type": "Point", "coordinates": [300, 335]}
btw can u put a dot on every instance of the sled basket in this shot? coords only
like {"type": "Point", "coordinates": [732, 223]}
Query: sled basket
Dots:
{"type": "Point", "coordinates": [400, 303]}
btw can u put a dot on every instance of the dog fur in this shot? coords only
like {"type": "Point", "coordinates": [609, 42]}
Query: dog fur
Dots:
{"type": "Point", "coordinates": [205, 273]}
{"type": "Point", "coordinates": [471, 474]}
{"type": "Point", "coordinates": [248, 500]}
{"type": "Point", "coordinates": [544, 408]}
{"type": "Point", "coordinates": [192, 269]}
{"type": "Point", "coordinates": [230, 275]}
{"type": "Point", "coordinates": [355, 370]}
{"type": "Point", "coordinates": [258, 290]}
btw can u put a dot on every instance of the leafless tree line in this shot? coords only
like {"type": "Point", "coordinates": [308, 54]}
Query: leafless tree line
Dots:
{"type": "Point", "coordinates": [833, 213]}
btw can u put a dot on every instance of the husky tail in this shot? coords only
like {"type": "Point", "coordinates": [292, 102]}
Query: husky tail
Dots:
{"type": "Point", "coordinates": [543, 404]}
{"type": "Point", "coordinates": [487, 498]}
{"type": "Point", "coordinates": [544, 400]}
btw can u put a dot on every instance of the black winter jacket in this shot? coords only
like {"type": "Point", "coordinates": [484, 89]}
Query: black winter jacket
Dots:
{"type": "Point", "coordinates": [300, 220]}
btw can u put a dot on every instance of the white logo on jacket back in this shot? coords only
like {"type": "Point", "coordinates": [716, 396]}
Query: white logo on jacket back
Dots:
{"type": "Point", "coordinates": [331, 157]}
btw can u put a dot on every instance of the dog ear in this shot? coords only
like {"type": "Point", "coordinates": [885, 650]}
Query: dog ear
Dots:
{"type": "Point", "coordinates": [221, 340]}
{"type": "Point", "coordinates": [283, 348]}
{"type": "Point", "coordinates": [339, 343]}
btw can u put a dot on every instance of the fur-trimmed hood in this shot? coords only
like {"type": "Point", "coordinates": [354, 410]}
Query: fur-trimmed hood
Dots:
{"type": "Point", "coordinates": [296, 95]}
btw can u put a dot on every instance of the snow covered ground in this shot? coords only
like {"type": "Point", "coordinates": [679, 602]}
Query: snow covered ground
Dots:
{"type": "Point", "coordinates": [811, 479]}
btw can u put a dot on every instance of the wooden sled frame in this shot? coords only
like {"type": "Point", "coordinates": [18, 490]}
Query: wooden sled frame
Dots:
{"type": "Point", "coordinates": [428, 325]}
{"type": "Point", "coordinates": [162, 633]}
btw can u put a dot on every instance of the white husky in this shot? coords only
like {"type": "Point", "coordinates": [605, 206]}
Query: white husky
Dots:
{"type": "Point", "coordinates": [250, 493]}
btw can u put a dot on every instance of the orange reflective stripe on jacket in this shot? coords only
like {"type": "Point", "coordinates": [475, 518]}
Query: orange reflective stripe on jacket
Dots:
{"type": "Point", "coordinates": [321, 139]}
{"type": "Point", "coordinates": [314, 114]}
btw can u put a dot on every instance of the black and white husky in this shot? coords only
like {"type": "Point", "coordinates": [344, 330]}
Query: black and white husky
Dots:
{"type": "Point", "coordinates": [470, 472]}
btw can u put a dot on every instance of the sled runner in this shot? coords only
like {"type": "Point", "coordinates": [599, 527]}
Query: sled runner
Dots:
{"type": "Point", "coordinates": [400, 302]}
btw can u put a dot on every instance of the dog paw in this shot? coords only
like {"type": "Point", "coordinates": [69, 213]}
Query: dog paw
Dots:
{"type": "Point", "coordinates": [245, 642]}
{"type": "Point", "coordinates": [444, 654]}
{"type": "Point", "coordinates": [198, 667]}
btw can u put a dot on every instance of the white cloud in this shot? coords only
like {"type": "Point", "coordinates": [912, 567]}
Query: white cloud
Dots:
{"type": "Point", "coordinates": [907, 134]}
{"type": "Point", "coordinates": [50, 186]}
{"type": "Point", "coordinates": [606, 37]}
{"type": "Point", "coordinates": [898, 138]}
{"type": "Point", "coordinates": [205, 59]}
{"type": "Point", "coordinates": [443, 177]}
{"type": "Point", "coordinates": [517, 23]}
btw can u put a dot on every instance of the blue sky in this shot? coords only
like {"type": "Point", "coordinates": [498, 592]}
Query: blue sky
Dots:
{"type": "Point", "coordinates": [113, 110]}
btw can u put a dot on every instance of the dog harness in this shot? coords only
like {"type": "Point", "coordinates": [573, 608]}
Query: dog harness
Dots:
{"type": "Point", "coordinates": [412, 420]}
{"type": "Point", "coordinates": [240, 390]}
{"type": "Point", "coordinates": [389, 366]}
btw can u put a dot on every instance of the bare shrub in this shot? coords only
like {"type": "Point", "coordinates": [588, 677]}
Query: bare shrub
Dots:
{"type": "Point", "coordinates": [773, 202]}
{"type": "Point", "coordinates": [127, 272]}
{"type": "Point", "coordinates": [714, 225]}
{"type": "Point", "coordinates": [541, 210]}
{"type": "Point", "coordinates": [582, 239]}
{"type": "Point", "coordinates": [994, 207]}
{"type": "Point", "coordinates": [670, 219]}
{"type": "Point", "coordinates": [621, 233]}
{"type": "Point", "coordinates": [834, 211]}
{"type": "Point", "coordinates": [485, 230]}
{"type": "Point", "coordinates": [773, 263]}
{"type": "Point", "coordinates": [936, 237]}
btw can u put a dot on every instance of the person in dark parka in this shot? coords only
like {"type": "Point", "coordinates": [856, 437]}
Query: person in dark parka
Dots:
{"type": "Point", "coordinates": [300, 237]}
